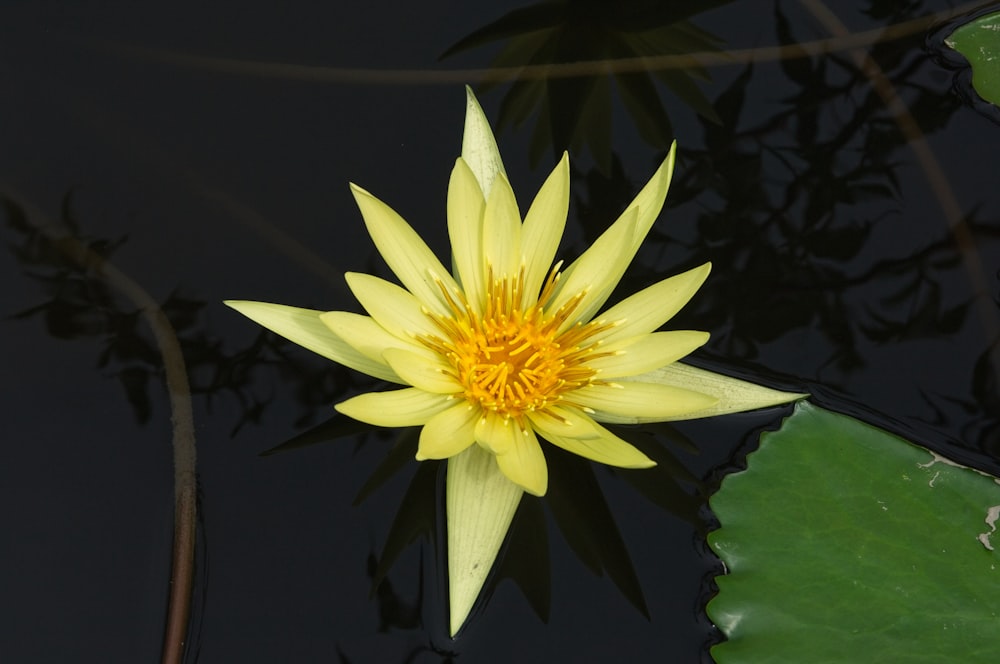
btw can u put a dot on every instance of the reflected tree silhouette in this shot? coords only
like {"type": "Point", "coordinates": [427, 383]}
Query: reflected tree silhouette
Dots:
{"type": "Point", "coordinates": [573, 112]}
{"type": "Point", "coordinates": [790, 202]}
{"type": "Point", "coordinates": [78, 306]}
{"type": "Point", "coordinates": [82, 307]}
{"type": "Point", "coordinates": [786, 203]}
{"type": "Point", "coordinates": [574, 499]}
{"type": "Point", "coordinates": [60, 242]}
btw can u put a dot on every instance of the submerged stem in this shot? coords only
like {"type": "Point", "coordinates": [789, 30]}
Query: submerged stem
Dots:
{"type": "Point", "coordinates": [179, 393]}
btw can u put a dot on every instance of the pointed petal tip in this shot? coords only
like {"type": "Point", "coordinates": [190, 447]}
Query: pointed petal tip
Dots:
{"type": "Point", "coordinates": [733, 395]}
{"type": "Point", "coordinates": [699, 275]}
{"type": "Point", "coordinates": [361, 195]}
{"type": "Point", "coordinates": [479, 145]}
{"type": "Point", "coordinates": [481, 503]}
{"type": "Point", "coordinates": [240, 305]}
{"type": "Point", "coordinates": [534, 483]}
{"type": "Point", "coordinates": [537, 491]}
{"type": "Point", "coordinates": [395, 408]}
{"type": "Point", "coordinates": [350, 409]}
{"type": "Point", "coordinates": [647, 463]}
{"type": "Point", "coordinates": [671, 157]}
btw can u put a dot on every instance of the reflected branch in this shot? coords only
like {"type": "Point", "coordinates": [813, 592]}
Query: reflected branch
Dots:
{"type": "Point", "coordinates": [179, 393]}
{"type": "Point", "coordinates": [368, 76]}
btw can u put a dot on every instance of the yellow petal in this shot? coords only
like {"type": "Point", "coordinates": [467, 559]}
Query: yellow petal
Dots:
{"type": "Point", "coordinates": [398, 408]}
{"type": "Point", "coordinates": [646, 352]}
{"type": "Point", "coordinates": [524, 463]}
{"type": "Point", "coordinates": [734, 395]}
{"type": "Point", "coordinates": [426, 370]}
{"type": "Point", "coordinates": [364, 335]}
{"type": "Point", "coordinates": [647, 400]}
{"type": "Point", "coordinates": [597, 271]}
{"type": "Point", "coordinates": [649, 200]}
{"type": "Point", "coordinates": [480, 503]}
{"type": "Point", "coordinates": [562, 421]}
{"type": "Point", "coordinates": [653, 306]}
{"type": "Point", "coordinates": [449, 432]}
{"type": "Point", "coordinates": [543, 230]}
{"type": "Point", "coordinates": [406, 254]}
{"type": "Point", "coordinates": [495, 433]}
{"type": "Point", "coordinates": [575, 432]}
{"type": "Point", "coordinates": [637, 218]}
{"type": "Point", "coordinates": [502, 230]}
{"type": "Point", "coordinates": [394, 308]}
{"type": "Point", "coordinates": [479, 147]}
{"type": "Point", "coordinates": [304, 327]}
{"type": "Point", "coordinates": [465, 229]}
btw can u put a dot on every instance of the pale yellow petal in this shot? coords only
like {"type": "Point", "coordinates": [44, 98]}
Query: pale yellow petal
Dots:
{"type": "Point", "coordinates": [562, 421]}
{"type": "Point", "coordinates": [647, 400]}
{"type": "Point", "coordinates": [635, 222]}
{"type": "Point", "coordinates": [653, 306]}
{"type": "Point", "coordinates": [575, 432]}
{"type": "Point", "coordinates": [649, 200]}
{"type": "Point", "coordinates": [543, 230]}
{"type": "Point", "coordinates": [502, 230]}
{"type": "Point", "coordinates": [424, 369]}
{"type": "Point", "coordinates": [646, 352]}
{"type": "Point", "coordinates": [392, 307]}
{"type": "Point", "coordinates": [398, 408]}
{"type": "Point", "coordinates": [480, 503]}
{"type": "Point", "coordinates": [597, 271]}
{"type": "Point", "coordinates": [479, 147]}
{"type": "Point", "coordinates": [406, 254]}
{"type": "Point", "coordinates": [465, 229]}
{"type": "Point", "coordinates": [495, 433]}
{"type": "Point", "coordinates": [304, 327]}
{"type": "Point", "coordinates": [734, 395]}
{"type": "Point", "coordinates": [365, 335]}
{"type": "Point", "coordinates": [524, 462]}
{"type": "Point", "coordinates": [449, 432]}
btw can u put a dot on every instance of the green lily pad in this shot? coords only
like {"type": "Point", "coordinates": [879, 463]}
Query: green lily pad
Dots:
{"type": "Point", "coordinates": [979, 41]}
{"type": "Point", "coordinates": [843, 543]}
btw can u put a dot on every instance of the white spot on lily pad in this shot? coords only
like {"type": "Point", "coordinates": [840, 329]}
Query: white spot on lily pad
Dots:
{"type": "Point", "coordinates": [992, 514]}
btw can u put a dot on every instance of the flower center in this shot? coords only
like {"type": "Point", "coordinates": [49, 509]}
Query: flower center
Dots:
{"type": "Point", "coordinates": [512, 360]}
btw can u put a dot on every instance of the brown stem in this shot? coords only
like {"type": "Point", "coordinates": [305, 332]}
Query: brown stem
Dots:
{"type": "Point", "coordinates": [179, 392]}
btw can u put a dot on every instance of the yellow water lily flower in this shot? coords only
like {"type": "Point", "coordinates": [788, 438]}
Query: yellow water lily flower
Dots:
{"type": "Point", "coordinates": [509, 347]}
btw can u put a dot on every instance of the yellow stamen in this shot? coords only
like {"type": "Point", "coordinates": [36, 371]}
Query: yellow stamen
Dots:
{"type": "Point", "coordinates": [511, 360]}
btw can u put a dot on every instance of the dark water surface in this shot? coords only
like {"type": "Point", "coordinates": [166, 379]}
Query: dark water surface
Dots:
{"type": "Point", "coordinates": [836, 271]}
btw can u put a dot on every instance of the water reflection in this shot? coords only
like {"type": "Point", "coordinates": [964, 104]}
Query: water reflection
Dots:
{"type": "Point", "coordinates": [574, 499]}
{"type": "Point", "coordinates": [573, 112]}
{"type": "Point", "coordinates": [837, 269]}
{"type": "Point", "coordinates": [81, 306]}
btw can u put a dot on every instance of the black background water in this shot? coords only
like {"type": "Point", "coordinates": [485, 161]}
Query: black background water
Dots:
{"type": "Point", "coordinates": [835, 271]}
